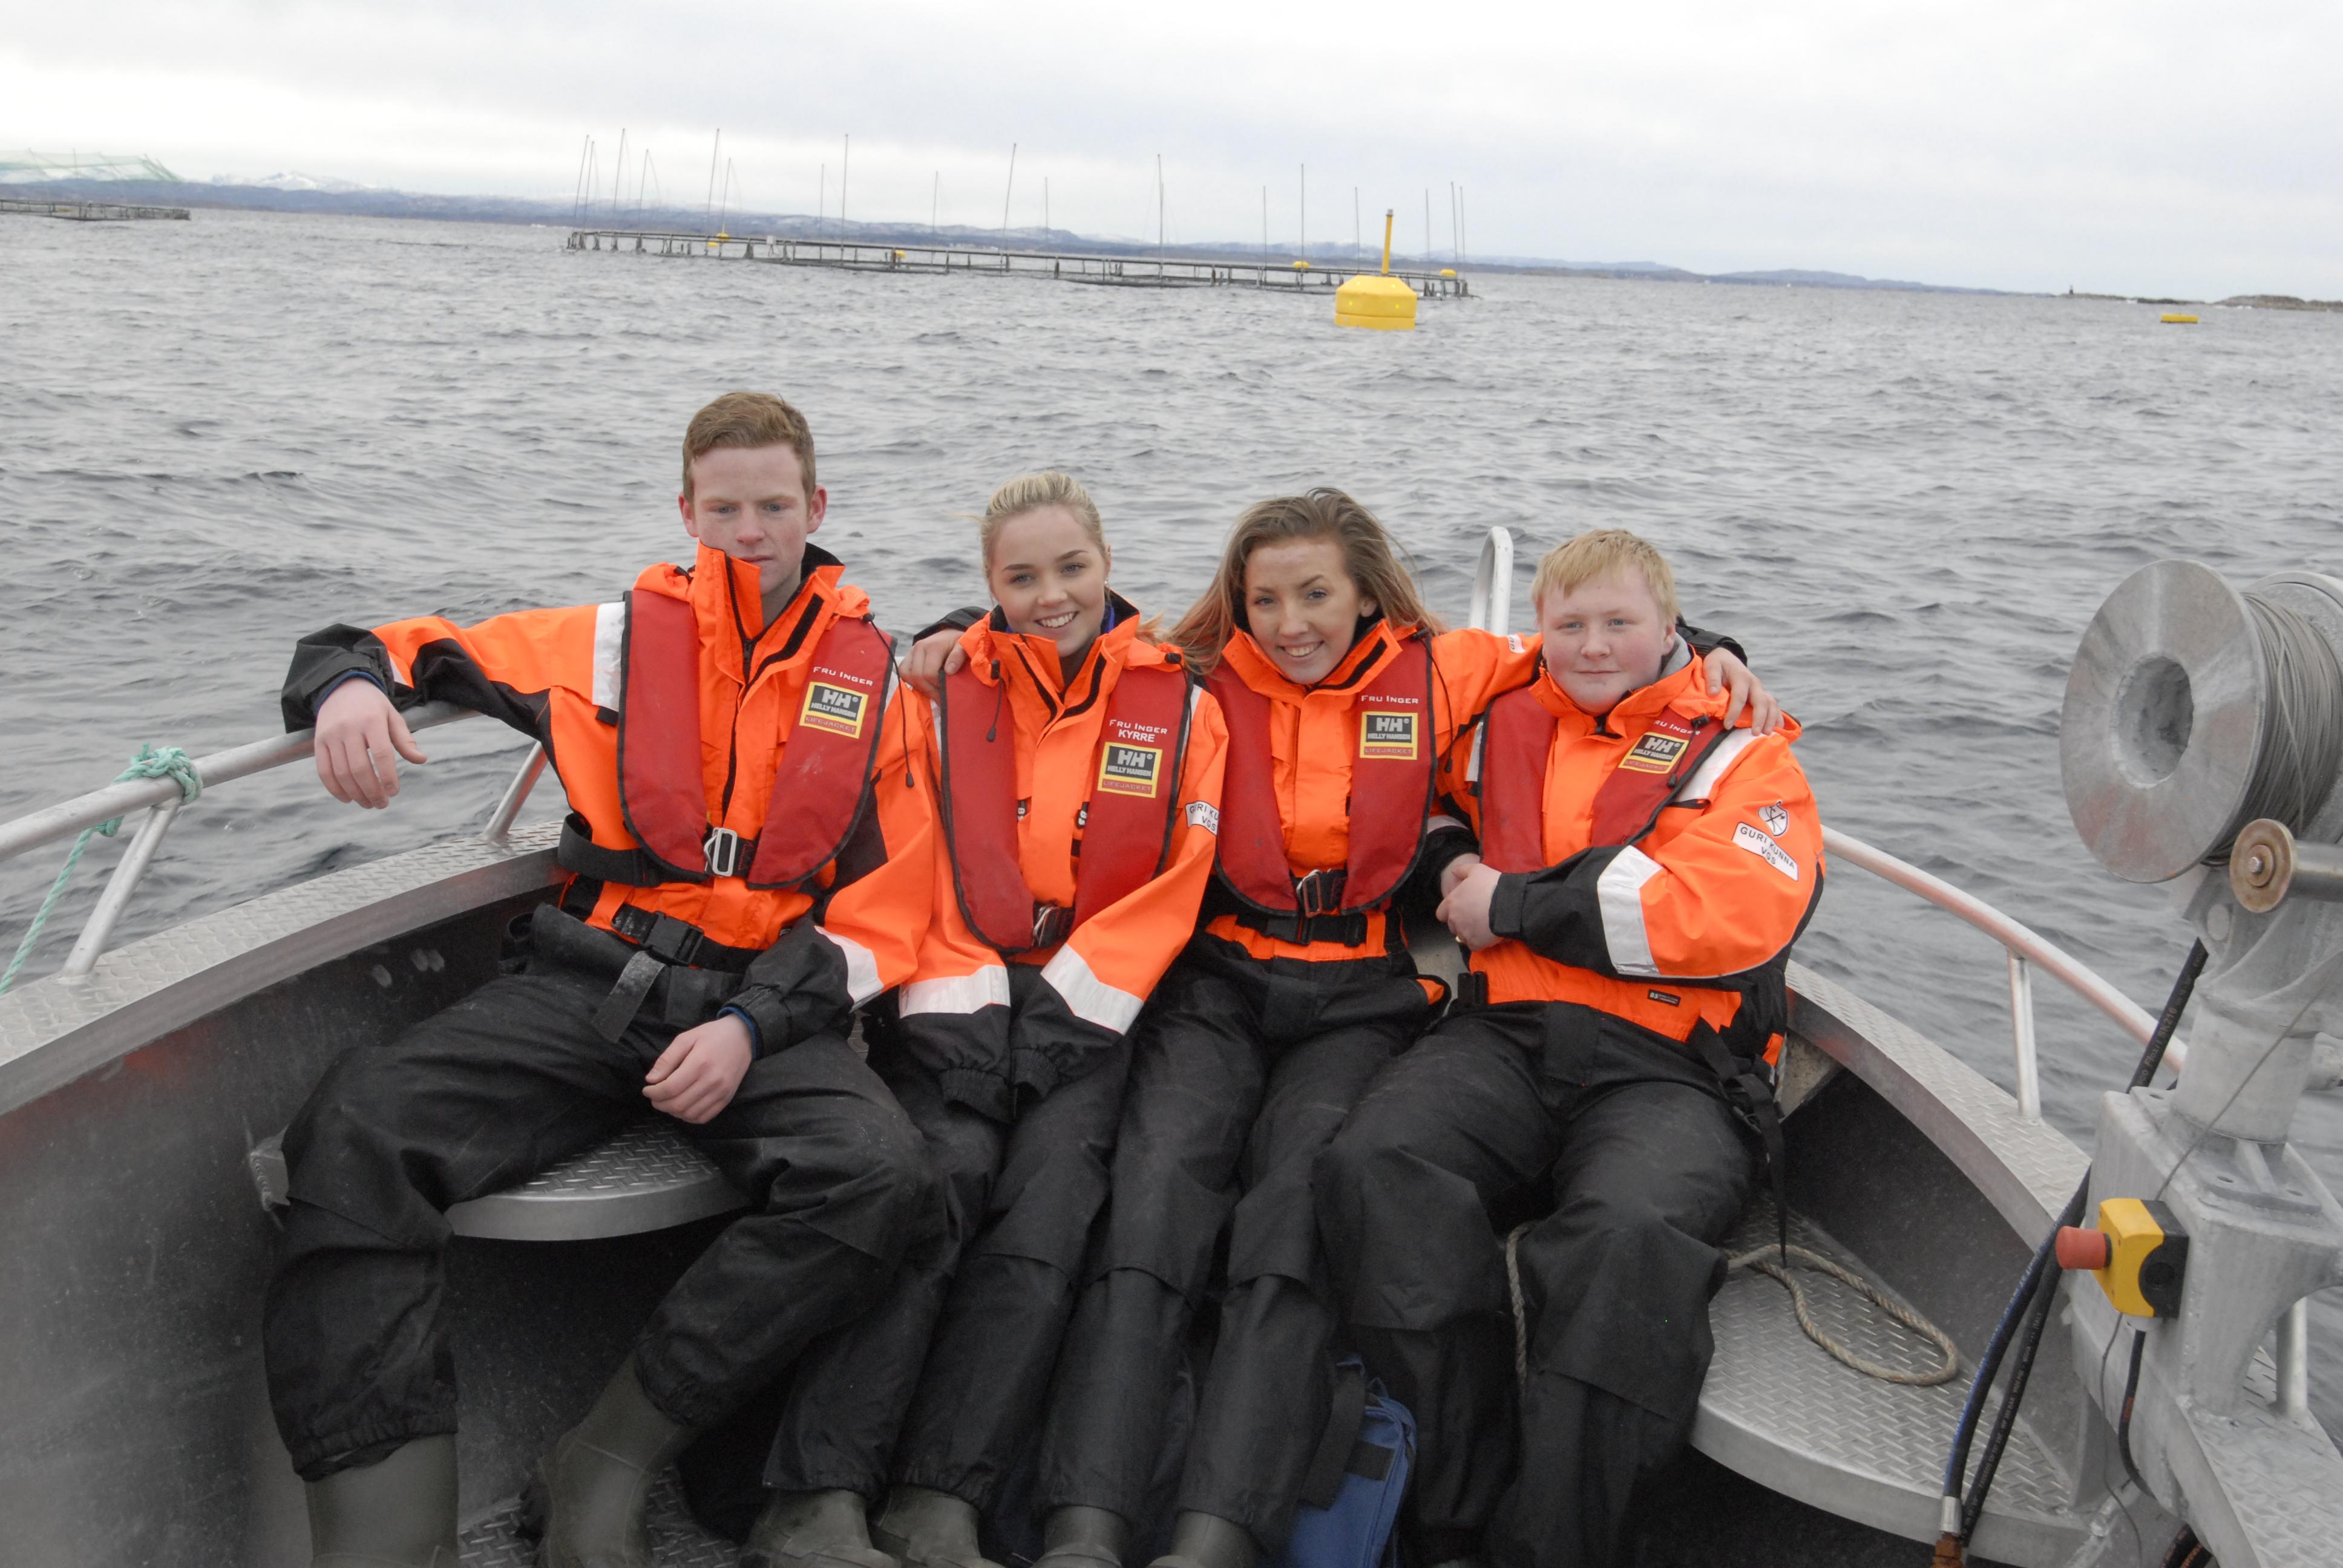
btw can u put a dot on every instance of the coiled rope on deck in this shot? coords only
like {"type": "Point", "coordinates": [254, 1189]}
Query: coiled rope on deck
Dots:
{"type": "Point", "coordinates": [2302, 743]}
{"type": "Point", "coordinates": [1763, 1259]}
{"type": "Point", "coordinates": [152, 762]}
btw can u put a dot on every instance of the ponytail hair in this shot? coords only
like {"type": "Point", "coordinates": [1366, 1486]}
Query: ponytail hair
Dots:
{"type": "Point", "coordinates": [1368, 555]}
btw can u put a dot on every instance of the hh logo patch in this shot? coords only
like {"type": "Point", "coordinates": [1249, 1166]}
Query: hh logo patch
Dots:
{"type": "Point", "coordinates": [837, 708]}
{"type": "Point", "coordinates": [1130, 770]}
{"type": "Point", "coordinates": [1664, 995]}
{"type": "Point", "coordinates": [1383, 734]}
{"type": "Point", "coordinates": [1766, 849]}
{"type": "Point", "coordinates": [1655, 753]}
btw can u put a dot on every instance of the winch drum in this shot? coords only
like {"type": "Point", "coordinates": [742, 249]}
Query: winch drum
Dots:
{"type": "Point", "coordinates": [2169, 710]}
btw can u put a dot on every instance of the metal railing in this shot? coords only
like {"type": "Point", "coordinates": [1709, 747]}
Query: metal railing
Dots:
{"type": "Point", "coordinates": [2025, 949]}
{"type": "Point", "coordinates": [162, 800]}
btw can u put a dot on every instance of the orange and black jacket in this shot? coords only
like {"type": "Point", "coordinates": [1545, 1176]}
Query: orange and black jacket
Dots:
{"type": "Point", "coordinates": [1315, 735]}
{"type": "Point", "coordinates": [813, 952]}
{"type": "Point", "coordinates": [1691, 921]}
{"type": "Point", "coordinates": [956, 1011]}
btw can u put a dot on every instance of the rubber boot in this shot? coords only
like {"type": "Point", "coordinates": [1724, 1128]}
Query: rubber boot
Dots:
{"type": "Point", "coordinates": [813, 1529]}
{"type": "Point", "coordinates": [1079, 1537]}
{"type": "Point", "coordinates": [924, 1528]}
{"type": "Point", "coordinates": [1208, 1541]}
{"type": "Point", "coordinates": [397, 1512]}
{"type": "Point", "coordinates": [590, 1491]}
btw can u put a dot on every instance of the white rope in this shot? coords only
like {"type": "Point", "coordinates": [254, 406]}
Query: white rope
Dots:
{"type": "Point", "coordinates": [1764, 1261]}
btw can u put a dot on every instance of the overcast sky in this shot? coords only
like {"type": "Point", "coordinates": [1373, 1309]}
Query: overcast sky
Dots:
{"type": "Point", "coordinates": [2114, 145]}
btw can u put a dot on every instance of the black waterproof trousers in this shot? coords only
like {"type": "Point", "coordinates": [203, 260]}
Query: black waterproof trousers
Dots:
{"type": "Point", "coordinates": [939, 1384]}
{"type": "Point", "coordinates": [1647, 1169]}
{"type": "Point", "coordinates": [1243, 1069]}
{"type": "Point", "coordinates": [501, 1085]}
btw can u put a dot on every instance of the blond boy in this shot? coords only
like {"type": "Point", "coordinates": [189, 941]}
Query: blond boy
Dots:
{"type": "Point", "coordinates": [1644, 865]}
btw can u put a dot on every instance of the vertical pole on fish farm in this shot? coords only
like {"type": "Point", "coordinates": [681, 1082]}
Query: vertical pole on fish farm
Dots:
{"type": "Point", "coordinates": [1045, 209]}
{"type": "Point", "coordinates": [618, 175]}
{"type": "Point", "coordinates": [1427, 225]}
{"type": "Point", "coordinates": [1302, 223]}
{"type": "Point", "coordinates": [844, 157]}
{"type": "Point", "coordinates": [936, 206]}
{"type": "Point", "coordinates": [1006, 192]}
{"type": "Point", "coordinates": [577, 194]}
{"type": "Point", "coordinates": [1354, 225]}
{"type": "Point", "coordinates": [1387, 233]}
{"type": "Point", "coordinates": [1464, 230]}
{"type": "Point", "coordinates": [714, 153]}
{"type": "Point", "coordinates": [1159, 212]}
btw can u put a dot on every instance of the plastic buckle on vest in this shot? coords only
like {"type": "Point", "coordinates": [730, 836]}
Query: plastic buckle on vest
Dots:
{"type": "Point", "coordinates": [723, 847]}
{"type": "Point", "coordinates": [1320, 892]}
{"type": "Point", "coordinates": [1052, 924]}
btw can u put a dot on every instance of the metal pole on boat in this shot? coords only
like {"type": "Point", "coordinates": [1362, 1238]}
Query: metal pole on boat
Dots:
{"type": "Point", "coordinates": [2293, 1360]}
{"type": "Point", "coordinates": [118, 890]}
{"type": "Point", "coordinates": [516, 794]}
{"type": "Point", "coordinates": [2021, 1024]}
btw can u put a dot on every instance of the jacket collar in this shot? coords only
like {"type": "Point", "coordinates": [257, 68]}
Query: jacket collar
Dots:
{"type": "Point", "coordinates": [727, 599]}
{"type": "Point", "coordinates": [1376, 643]}
{"type": "Point", "coordinates": [1031, 661]}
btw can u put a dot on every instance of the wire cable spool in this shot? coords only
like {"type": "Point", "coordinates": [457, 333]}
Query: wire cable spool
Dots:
{"type": "Point", "coordinates": [2192, 710]}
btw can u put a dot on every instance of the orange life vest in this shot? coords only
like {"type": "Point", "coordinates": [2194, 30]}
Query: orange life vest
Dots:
{"type": "Point", "coordinates": [1125, 822]}
{"type": "Point", "coordinates": [818, 791]}
{"type": "Point", "coordinates": [1392, 783]}
{"type": "Point", "coordinates": [1514, 748]}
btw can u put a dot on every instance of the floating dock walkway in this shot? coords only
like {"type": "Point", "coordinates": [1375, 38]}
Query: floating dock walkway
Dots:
{"type": "Point", "coordinates": [1116, 271]}
{"type": "Point", "coordinates": [88, 211]}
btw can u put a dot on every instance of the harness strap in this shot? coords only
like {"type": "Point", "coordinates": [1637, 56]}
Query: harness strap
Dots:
{"type": "Point", "coordinates": [1350, 930]}
{"type": "Point", "coordinates": [1751, 1099]}
{"type": "Point", "coordinates": [1345, 1413]}
{"type": "Point", "coordinates": [688, 990]}
{"type": "Point", "coordinates": [674, 941]}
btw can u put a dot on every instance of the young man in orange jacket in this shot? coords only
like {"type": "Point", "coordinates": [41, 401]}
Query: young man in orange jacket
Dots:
{"type": "Point", "coordinates": [1644, 868]}
{"type": "Point", "coordinates": [750, 839]}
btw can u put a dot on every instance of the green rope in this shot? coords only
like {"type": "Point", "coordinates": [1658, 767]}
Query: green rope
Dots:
{"type": "Point", "coordinates": [152, 762]}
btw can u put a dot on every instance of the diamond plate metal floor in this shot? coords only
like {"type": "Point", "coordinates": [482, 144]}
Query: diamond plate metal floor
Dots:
{"type": "Point", "coordinates": [494, 1540]}
{"type": "Point", "coordinates": [645, 1177]}
{"type": "Point", "coordinates": [1782, 1411]}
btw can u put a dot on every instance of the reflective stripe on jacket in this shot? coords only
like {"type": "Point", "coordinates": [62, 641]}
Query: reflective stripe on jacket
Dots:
{"type": "Point", "coordinates": [558, 675]}
{"type": "Point", "coordinates": [1714, 891]}
{"type": "Point", "coordinates": [955, 1011]}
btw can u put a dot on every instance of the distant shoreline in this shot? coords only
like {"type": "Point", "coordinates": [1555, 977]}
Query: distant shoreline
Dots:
{"type": "Point", "coordinates": [528, 211]}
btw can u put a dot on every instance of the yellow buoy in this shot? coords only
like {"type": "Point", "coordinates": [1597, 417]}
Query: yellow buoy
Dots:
{"type": "Point", "coordinates": [2180, 320]}
{"type": "Point", "coordinates": [1447, 272]}
{"type": "Point", "coordinates": [1301, 267]}
{"type": "Point", "coordinates": [1379, 302]}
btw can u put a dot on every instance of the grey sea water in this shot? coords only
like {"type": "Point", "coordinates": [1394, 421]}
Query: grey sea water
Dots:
{"type": "Point", "coordinates": [217, 435]}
